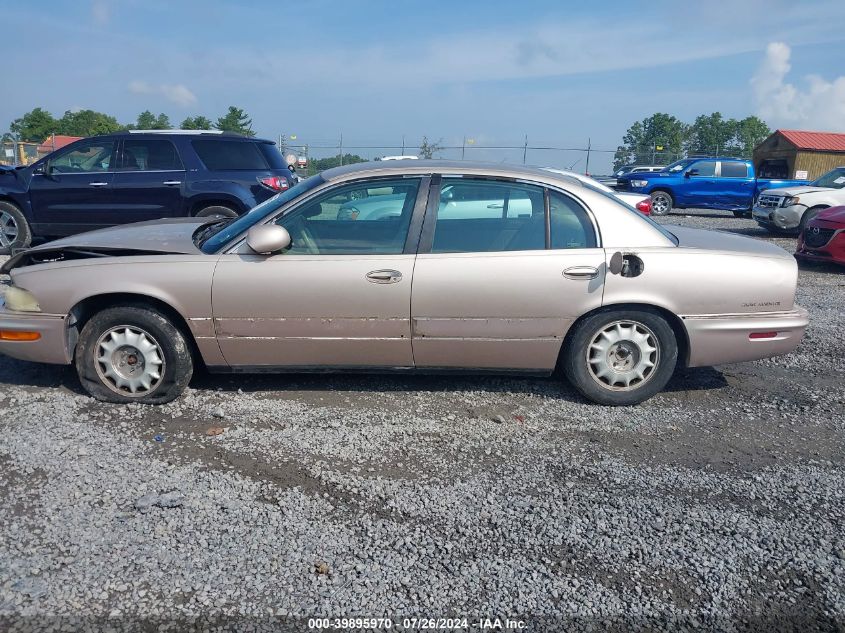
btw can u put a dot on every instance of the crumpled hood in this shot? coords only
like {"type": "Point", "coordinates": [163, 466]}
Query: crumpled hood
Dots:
{"type": "Point", "coordinates": [793, 190]}
{"type": "Point", "coordinates": [726, 242]}
{"type": "Point", "coordinates": [168, 235]}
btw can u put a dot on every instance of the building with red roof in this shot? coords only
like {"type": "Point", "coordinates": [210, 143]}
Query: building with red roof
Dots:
{"type": "Point", "coordinates": [799, 154]}
{"type": "Point", "coordinates": [54, 142]}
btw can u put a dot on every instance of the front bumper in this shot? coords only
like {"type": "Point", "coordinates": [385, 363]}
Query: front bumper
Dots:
{"type": "Point", "coordinates": [51, 348]}
{"type": "Point", "coordinates": [726, 338]}
{"type": "Point", "coordinates": [833, 251]}
{"type": "Point", "coordinates": [784, 218]}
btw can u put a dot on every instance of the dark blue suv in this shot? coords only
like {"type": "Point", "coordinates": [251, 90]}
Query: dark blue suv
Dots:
{"type": "Point", "coordinates": [134, 176]}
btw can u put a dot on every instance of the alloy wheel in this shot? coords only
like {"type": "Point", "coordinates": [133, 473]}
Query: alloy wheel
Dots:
{"type": "Point", "coordinates": [129, 360]}
{"type": "Point", "coordinates": [659, 204]}
{"type": "Point", "coordinates": [623, 355]}
{"type": "Point", "coordinates": [8, 229]}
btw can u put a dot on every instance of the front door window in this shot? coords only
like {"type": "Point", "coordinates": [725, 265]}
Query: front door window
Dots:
{"type": "Point", "coordinates": [91, 157]}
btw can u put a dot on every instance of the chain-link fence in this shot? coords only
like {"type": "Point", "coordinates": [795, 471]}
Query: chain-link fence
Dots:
{"type": "Point", "coordinates": [24, 153]}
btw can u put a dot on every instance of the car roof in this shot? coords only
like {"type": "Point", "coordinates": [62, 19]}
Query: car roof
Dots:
{"type": "Point", "coordinates": [209, 134]}
{"type": "Point", "coordinates": [446, 167]}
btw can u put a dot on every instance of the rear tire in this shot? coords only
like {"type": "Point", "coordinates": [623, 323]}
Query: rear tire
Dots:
{"type": "Point", "coordinates": [620, 357]}
{"type": "Point", "coordinates": [661, 202]}
{"type": "Point", "coordinates": [15, 232]}
{"type": "Point", "coordinates": [133, 353]}
{"type": "Point", "coordinates": [744, 213]}
{"type": "Point", "coordinates": [216, 211]}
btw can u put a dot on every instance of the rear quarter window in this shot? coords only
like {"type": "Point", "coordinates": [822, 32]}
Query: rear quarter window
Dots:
{"type": "Point", "coordinates": [223, 155]}
{"type": "Point", "coordinates": [272, 155]}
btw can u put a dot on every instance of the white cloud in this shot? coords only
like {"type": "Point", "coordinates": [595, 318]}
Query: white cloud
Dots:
{"type": "Point", "coordinates": [176, 93]}
{"type": "Point", "coordinates": [820, 105]}
{"type": "Point", "coordinates": [100, 12]}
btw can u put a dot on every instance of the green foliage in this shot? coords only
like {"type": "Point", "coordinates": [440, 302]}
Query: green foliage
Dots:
{"type": "Point", "coordinates": [148, 121]}
{"type": "Point", "coordinates": [87, 123]}
{"type": "Point", "coordinates": [710, 135]}
{"type": "Point", "coordinates": [321, 164]}
{"type": "Point", "coordinates": [196, 123]}
{"type": "Point", "coordinates": [235, 120]}
{"type": "Point", "coordinates": [429, 149]}
{"type": "Point", "coordinates": [36, 125]}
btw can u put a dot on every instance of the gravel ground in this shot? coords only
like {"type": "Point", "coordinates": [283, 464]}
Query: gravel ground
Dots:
{"type": "Point", "coordinates": [717, 505]}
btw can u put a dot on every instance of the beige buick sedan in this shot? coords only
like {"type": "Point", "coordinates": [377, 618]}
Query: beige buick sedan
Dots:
{"type": "Point", "coordinates": [427, 266]}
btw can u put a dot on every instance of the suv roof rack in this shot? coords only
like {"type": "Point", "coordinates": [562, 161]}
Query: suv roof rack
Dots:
{"type": "Point", "coordinates": [216, 132]}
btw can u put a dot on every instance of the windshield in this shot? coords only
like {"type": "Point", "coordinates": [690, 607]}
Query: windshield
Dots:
{"type": "Point", "coordinates": [835, 179]}
{"type": "Point", "coordinates": [212, 237]}
{"type": "Point", "coordinates": [678, 165]}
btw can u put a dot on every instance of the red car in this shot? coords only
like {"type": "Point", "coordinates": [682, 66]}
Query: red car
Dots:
{"type": "Point", "coordinates": [823, 239]}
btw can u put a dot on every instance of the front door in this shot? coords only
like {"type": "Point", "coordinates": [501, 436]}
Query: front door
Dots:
{"type": "Point", "coordinates": [340, 296]}
{"type": "Point", "coordinates": [73, 192]}
{"type": "Point", "coordinates": [700, 187]}
{"type": "Point", "coordinates": [149, 181]}
{"type": "Point", "coordinates": [497, 292]}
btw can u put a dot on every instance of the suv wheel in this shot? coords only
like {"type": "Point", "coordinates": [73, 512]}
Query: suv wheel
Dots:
{"type": "Point", "coordinates": [14, 229]}
{"type": "Point", "coordinates": [133, 353]}
{"type": "Point", "coordinates": [621, 357]}
{"type": "Point", "coordinates": [661, 202]}
{"type": "Point", "coordinates": [216, 211]}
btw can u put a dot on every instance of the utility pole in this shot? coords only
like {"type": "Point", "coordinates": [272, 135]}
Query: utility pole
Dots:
{"type": "Point", "coordinates": [587, 166]}
{"type": "Point", "coordinates": [403, 145]}
{"type": "Point", "coordinates": [341, 148]}
{"type": "Point", "coordinates": [525, 150]}
{"type": "Point", "coordinates": [463, 147]}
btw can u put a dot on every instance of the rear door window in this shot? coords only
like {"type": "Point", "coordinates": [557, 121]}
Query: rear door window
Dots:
{"type": "Point", "coordinates": [570, 225]}
{"type": "Point", "coordinates": [734, 169]}
{"type": "Point", "coordinates": [150, 155]}
{"type": "Point", "coordinates": [226, 155]}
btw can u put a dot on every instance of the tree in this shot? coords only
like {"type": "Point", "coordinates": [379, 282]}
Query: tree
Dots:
{"type": "Point", "coordinates": [196, 123]}
{"type": "Point", "coordinates": [711, 135]}
{"type": "Point", "coordinates": [321, 164]}
{"type": "Point", "coordinates": [148, 121]}
{"type": "Point", "coordinates": [750, 132]}
{"type": "Point", "coordinates": [87, 123]}
{"type": "Point", "coordinates": [235, 120]}
{"type": "Point", "coordinates": [428, 149]}
{"type": "Point", "coordinates": [36, 125]}
{"type": "Point", "coordinates": [656, 139]}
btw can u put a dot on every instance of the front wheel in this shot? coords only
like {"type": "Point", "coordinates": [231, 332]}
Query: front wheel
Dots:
{"type": "Point", "coordinates": [661, 202]}
{"type": "Point", "coordinates": [809, 214]}
{"type": "Point", "coordinates": [620, 357]}
{"type": "Point", "coordinates": [14, 229]}
{"type": "Point", "coordinates": [133, 353]}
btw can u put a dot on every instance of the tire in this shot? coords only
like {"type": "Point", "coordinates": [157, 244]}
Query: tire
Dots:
{"type": "Point", "coordinates": [745, 213]}
{"type": "Point", "coordinates": [641, 329]}
{"type": "Point", "coordinates": [117, 328]}
{"type": "Point", "coordinates": [216, 211]}
{"type": "Point", "coordinates": [664, 202]}
{"type": "Point", "coordinates": [14, 229]}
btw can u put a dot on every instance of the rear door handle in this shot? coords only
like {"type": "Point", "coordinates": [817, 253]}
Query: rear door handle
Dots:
{"type": "Point", "coordinates": [384, 276]}
{"type": "Point", "coordinates": [172, 183]}
{"type": "Point", "coordinates": [98, 184]}
{"type": "Point", "coordinates": [581, 272]}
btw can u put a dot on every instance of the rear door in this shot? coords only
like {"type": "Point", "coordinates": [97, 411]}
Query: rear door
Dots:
{"type": "Point", "coordinates": [149, 181]}
{"type": "Point", "coordinates": [73, 192]}
{"type": "Point", "coordinates": [501, 291]}
{"type": "Point", "coordinates": [736, 186]}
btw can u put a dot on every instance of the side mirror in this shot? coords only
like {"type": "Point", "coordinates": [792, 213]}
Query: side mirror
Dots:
{"type": "Point", "coordinates": [43, 169]}
{"type": "Point", "coordinates": [691, 172]}
{"type": "Point", "coordinates": [267, 239]}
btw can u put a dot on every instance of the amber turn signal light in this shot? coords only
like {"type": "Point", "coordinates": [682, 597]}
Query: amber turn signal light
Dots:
{"type": "Point", "coordinates": [14, 335]}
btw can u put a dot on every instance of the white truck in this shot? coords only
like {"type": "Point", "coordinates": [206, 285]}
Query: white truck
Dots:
{"type": "Point", "coordinates": [788, 210]}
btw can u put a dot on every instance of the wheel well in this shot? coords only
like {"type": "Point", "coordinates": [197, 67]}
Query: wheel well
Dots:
{"type": "Point", "coordinates": [85, 309]}
{"type": "Point", "coordinates": [671, 318]}
{"type": "Point", "coordinates": [664, 190]}
{"type": "Point", "coordinates": [202, 204]}
{"type": "Point", "coordinates": [11, 201]}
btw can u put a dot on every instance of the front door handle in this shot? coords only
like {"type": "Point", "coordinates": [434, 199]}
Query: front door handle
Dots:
{"type": "Point", "coordinates": [98, 184]}
{"type": "Point", "coordinates": [581, 272]}
{"type": "Point", "coordinates": [172, 183]}
{"type": "Point", "coordinates": [384, 276]}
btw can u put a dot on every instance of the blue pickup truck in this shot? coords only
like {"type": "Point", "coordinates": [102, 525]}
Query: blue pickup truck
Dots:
{"type": "Point", "coordinates": [708, 183]}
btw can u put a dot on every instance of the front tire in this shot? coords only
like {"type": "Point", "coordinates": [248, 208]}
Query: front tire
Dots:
{"type": "Point", "coordinates": [15, 232]}
{"type": "Point", "coordinates": [661, 202]}
{"type": "Point", "coordinates": [620, 357]}
{"type": "Point", "coordinates": [133, 353]}
{"type": "Point", "coordinates": [216, 211]}
{"type": "Point", "coordinates": [809, 214]}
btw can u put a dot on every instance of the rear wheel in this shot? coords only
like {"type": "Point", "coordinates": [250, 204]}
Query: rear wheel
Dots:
{"type": "Point", "coordinates": [621, 357]}
{"type": "Point", "coordinates": [744, 213]}
{"type": "Point", "coordinates": [661, 202]}
{"type": "Point", "coordinates": [216, 211]}
{"type": "Point", "coordinates": [14, 229]}
{"type": "Point", "coordinates": [133, 353]}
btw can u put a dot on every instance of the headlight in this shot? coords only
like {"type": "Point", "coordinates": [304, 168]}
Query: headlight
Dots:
{"type": "Point", "coordinates": [21, 300]}
{"type": "Point", "coordinates": [788, 201]}
{"type": "Point", "coordinates": [639, 183]}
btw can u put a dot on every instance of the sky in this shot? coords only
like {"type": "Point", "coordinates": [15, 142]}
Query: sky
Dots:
{"type": "Point", "coordinates": [562, 74]}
